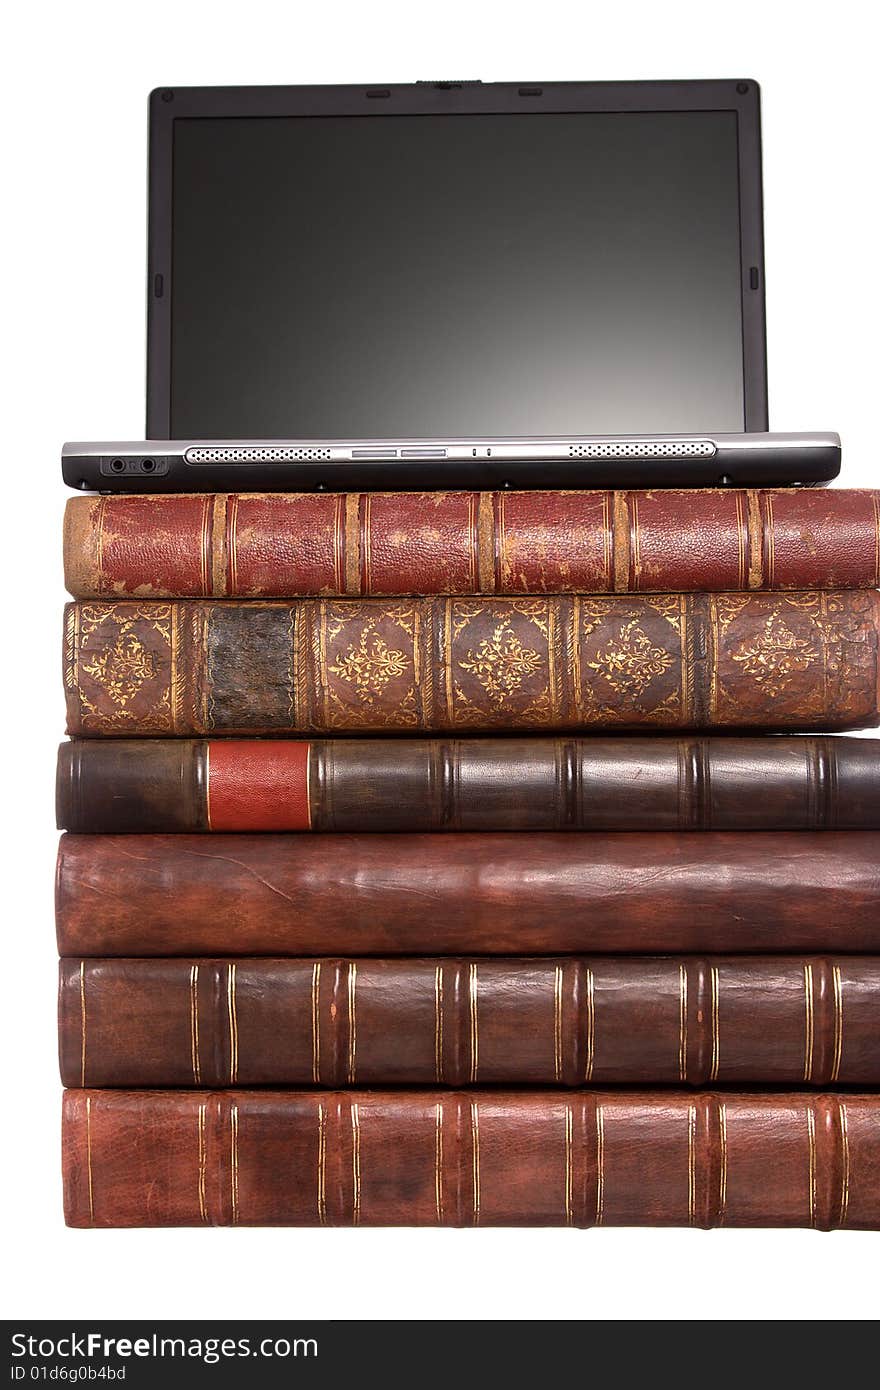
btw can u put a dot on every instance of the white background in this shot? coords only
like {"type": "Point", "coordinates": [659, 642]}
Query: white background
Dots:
{"type": "Point", "coordinates": [74, 95]}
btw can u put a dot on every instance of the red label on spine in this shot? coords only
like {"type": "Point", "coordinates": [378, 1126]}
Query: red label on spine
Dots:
{"type": "Point", "coordinates": [258, 786]}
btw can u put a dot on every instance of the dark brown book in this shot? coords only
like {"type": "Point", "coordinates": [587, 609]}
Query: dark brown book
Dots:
{"type": "Point", "coordinates": [792, 660]}
{"type": "Point", "coordinates": [376, 784]}
{"type": "Point", "coordinates": [484, 1158]}
{"type": "Point", "coordinates": [611, 1020]}
{"type": "Point", "coordinates": [722, 891]}
{"type": "Point", "coordinates": [279, 545]}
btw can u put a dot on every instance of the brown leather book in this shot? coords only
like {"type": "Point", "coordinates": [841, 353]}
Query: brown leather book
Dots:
{"type": "Point", "coordinates": [282, 545]}
{"type": "Point", "coordinates": [801, 660]}
{"type": "Point", "coordinates": [484, 1158]}
{"type": "Point", "coordinates": [410, 895]}
{"type": "Point", "coordinates": [111, 786]}
{"type": "Point", "coordinates": [610, 1020]}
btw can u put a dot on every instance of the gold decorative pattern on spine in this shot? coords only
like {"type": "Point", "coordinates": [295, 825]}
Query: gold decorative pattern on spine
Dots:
{"type": "Point", "coordinates": [475, 1040]}
{"type": "Point", "coordinates": [82, 1022]}
{"type": "Point", "coordinates": [194, 1023]}
{"type": "Point", "coordinates": [322, 1166]}
{"type": "Point", "coordinates": [233, 1023]}
{"type": "Point", "coordinates": [756, 541]}
{"type": "Point", "coordinates": [233, 1161]}
{"type": "Point", "coordinates": [600, 1164]}
{"type": "Point", "coordinates": [683, 1022]}
{"type": "Point", "coordinates": [838, 1022]}
{"type": "Point", "coordinates": [722, 1177]}
{"type": "Point", "coordinates": [232, 543]}
{"type": "Point", "coordinates": [742, 537]}
{"type": "Point", "coordinates": [204, 550]}
{"type": "Point", "coordinates": [716, 1045]}
{"type": "Point", "coordinates": [557, 1023]}
{"type": "Point", "coordinates": [89, 1157]}
{"type": "Point", "coordinates": [99, 539]}
{"type": "Point", "coordinates": [486, 546]}
{"type": "Point", "coordinates": [438, 1022]}
{"type": "Point", "coordinates": [438, 1164]}
{"type": "Point", "coordinates": [569, 1124]}
{"type": "Point", "coordinates": [356, 1165]}
{"type": "Point", "coordinates": [692, 1164]}
{"type": "Point", "coordinates": [771, 543]}
{"type": "Point", "coordinates": [811, 1135]}
{"type": "Point", "coordinates": [844, 1145]}
{"type": "Point", "coordinates": [203, 1208]}
{"type": "Point", "coordinates": [475, 1137]}
{"type": "Point", "coordinates": [591, 1027]}
{"type": "Point", "coordinates": [636, 560]}
{"type": "Point", "coordinates": [808, 1022]}
{"type": "Point", "coordinates": [316, 1023]}
{"type": "Point", "coordinates": [352, 1021]}
{"type": "Point", "coordinates": [366, 575]}
{"type": "Point", "coordinates": [616, 525]}
{"type": "Point", "coordinates": [352, 582]}
{"type": "Point", "coordinates": [218, 550]}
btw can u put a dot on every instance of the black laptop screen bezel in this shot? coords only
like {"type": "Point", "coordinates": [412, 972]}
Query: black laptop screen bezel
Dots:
{"type": "Point", "coordinates": [453, 98]}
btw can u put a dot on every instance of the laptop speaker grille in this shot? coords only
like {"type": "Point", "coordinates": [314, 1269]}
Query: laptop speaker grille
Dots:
{"type": "Point", "coordinates": [231, 453]}
{"type": "Point", "coordinates": [644, 449]}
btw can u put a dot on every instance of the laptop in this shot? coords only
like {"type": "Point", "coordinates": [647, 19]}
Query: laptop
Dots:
{"type": "Point", "coordinates": [452, 284]}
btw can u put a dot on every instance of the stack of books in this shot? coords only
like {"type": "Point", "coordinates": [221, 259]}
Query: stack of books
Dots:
{"type": "Point", "coordinates": [407, 882]}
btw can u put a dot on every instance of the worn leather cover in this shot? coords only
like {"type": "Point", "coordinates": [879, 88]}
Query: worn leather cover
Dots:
{"type": "Point", "coordinates": [805, 660]}
{"type": "Point", "coordinates": [781, 1020]}
{"type": "Point", "coordinates": [456, 894]}
{"type": "Point", "coordinates": [381, 784]}
{"type": "Point", "coordinates": [279, 545]}
{"type": "Point", "coordinates": [484, 1158]}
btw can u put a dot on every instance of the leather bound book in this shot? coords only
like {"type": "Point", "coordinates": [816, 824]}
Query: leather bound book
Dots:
{"type": "Point", "coordinates": [167, 895]}
{"type": "Point", "coordinates": [609, 1020]}
{"type": "Point", "coordinates": [281, 545]}
{"type": "Point", "coordinates": [649, 783]}
{"type": "Point", "coordinates": [484, 1158]}
{"type": "Point", "coordinates": [805, 660]}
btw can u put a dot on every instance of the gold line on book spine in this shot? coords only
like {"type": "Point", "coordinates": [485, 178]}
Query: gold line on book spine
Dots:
{"type": "Point", "coordinates": [716, 1049]}
{"type": "Point", "coordinates": [557, 1023]}
{"type": "Point", "coordinates": [438, 1163]}
{"type": "Point", "coordinates": [356, 1164]}
{"type": "Point", "coordinates": [808, 1022]}
{"type": "Point", "coordinates": [475, 1041]}
{"type": "Point", "coordinates": [591, 1026]}
{"type": "Point", "coordinates": [811, 1136]}
{"type": "Point", "coordinates": [233, 1024]}
{"type": "Point", "coordinates": [722, 1177]}
{"type": "Point", "coordinates": [194, 1023]}
{"type": "Point", "coordinates": [352, 1021]}
{"type": "Point", "coordinates": [692, 1163]}
{"type": "Point", "coordinates": [438, 1022]}
{"type": "Point", "coordinates": [321, 1174]}
{"type": "Point", "coordinates": [233, 1161]}
{"type": "Point", "coordinates": [844, 1145]}
{"type": "Point", "coordinates": [682, 1025]}
{"type": "Point", "coordinates": [203, 1209]}
{"type": "Point", "coordinates": [475, 1136]}
{"type": "Point", "coordinates": [838, 1021]}
{"type": "Point", "coordinates": [568, 1148]}
{"type": "Point", "coordinates": [316, 1023]}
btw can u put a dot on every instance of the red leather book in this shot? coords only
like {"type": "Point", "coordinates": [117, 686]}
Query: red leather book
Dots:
{"type": "Point", "coordinates": [277, 545]}
{"type": "Point", "coordinates": [803, 661]}
{"type": "Point", "coordinates": [166, 895]}
{"type": "Point", "coordinates": [484, 1158]}
{"type": "Point", "coordinates": [379, 784]}
{"type": "Point", "coordinates": [609, 1020]}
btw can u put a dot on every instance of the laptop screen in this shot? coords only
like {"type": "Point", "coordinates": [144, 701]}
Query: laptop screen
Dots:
{"type": "Point", "coordinates": [455, 275]}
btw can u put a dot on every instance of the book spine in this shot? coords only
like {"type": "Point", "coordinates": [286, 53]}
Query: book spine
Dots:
{"type": "Point", "coordinates": [565, 1021]}
{"type": "Point", "coordinates": [280, 545]}
{"type": "Point", "coordinates": [484, 1158]}
{"type": "Point", "coordinates": [804, 661]}
{"type": "Point", "coordinates": [141, 786]}
{"type": "Point", "coordinates": [410, 895]}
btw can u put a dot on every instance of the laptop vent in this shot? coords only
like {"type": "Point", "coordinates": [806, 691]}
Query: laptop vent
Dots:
{"type": "Point", "coordinates": [272, 453]}
{"type": "Point", "coordinates": [644, 449]}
